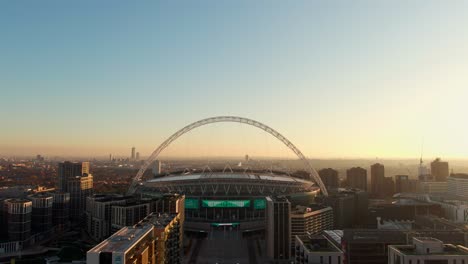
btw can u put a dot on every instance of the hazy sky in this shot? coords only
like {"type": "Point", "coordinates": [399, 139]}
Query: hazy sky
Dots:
{"type": "Point", "coordinates": [338, 78]}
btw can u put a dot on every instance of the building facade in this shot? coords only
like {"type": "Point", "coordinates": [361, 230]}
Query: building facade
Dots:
{"type": "Point", "coordinates": [329, 178]}
{"type": "Point", "coordinates": [439, 170]}
{"type": "Point", "coordinates": [427, 250]}
{"type": "Point", "coordinates": [357, 178]}
{"type": "Point", "coordinates": [457, 184]}
{"type": "Point", "coordinates": [278, 228]}
{"type": "Point", "coordinates": [317, 249]}
{"type": "Point", "coordinates": [377, 178]}
{"type": "Point", "coordinates": [310, 220]}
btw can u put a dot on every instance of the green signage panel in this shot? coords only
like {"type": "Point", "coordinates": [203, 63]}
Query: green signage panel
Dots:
{"type": "Point", "coordinates": [259, 204]}
{"type": "Point", "coordinates": [226, 203]}
{"type": "Point", "coordinates": [191, 203]}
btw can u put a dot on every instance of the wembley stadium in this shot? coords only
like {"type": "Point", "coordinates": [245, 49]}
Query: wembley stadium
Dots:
{"type": "Point", "coordinates": [229, 198]}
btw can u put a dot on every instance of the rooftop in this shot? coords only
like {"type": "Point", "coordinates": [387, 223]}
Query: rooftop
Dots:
{"type": "Point", "coordinates": [318, 243]}
{"type": "Point", "coordinates": [159, 220]}
{"type": "Point", "coordinates": [123, 239]}
{"type": "Point", "coordinates": [229, 175]}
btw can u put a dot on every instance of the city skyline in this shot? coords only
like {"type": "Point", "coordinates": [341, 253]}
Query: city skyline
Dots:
{"type": "Point", "coordinates": [340, 80]}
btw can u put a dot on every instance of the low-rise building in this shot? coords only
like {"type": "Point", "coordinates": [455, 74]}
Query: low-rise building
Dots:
{"type": "Point", "coordinates": [321, 248]}
{"type": "Point", "coordinates": [427, 250]}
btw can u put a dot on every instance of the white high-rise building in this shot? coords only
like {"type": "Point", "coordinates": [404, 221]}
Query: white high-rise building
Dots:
{"type": "Point", "coordinates": [427, 250]}
{"type": "Point", "coordinates": [457, 184]}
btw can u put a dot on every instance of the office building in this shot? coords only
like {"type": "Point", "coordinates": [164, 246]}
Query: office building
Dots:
{"type": "Point", "coordinates": [18, 219]}
{"type": "Point", "coordinates": [60, 210]}
{"type": "Point", "coordinates": [322, 248]}
{"type": "Point", "coordinates": [377, 179]}
{"type": "Point", "coordinates": [98, 214]}
{"type": "Point", "coordinates": [403, 209]}
{"type": "Point", "coordinates": [278, 228]}
{"type": "Point", "coordinates": [133, 154]}
{"type": "Point", "coordinates": [357, 178]}
{"type": "Point", "coordinates": [427, 250]}
{"type": "Point", "coordinates": [310, 220]}
{"type": "Point", "coordinates": [439, 170]}
{"type": "Point", "coordinates": [329, 178]}
{"type": "Point", "coordinates": [41, 212]}
{"type": "Point", "coordinates": [168, 233]}
{"type": "Point", "coordinates": [135, 244]}
{"type": "Point", "coordinates": [457, 184]}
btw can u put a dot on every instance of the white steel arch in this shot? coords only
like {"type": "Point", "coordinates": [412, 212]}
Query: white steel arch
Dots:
{"type": "Point", "coordinates": [313, 175]}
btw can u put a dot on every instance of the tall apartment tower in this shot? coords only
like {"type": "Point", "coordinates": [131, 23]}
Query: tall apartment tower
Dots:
{"type": "Point", "coordinates": [329, 178]}
{"type": "Point", "coordinates": [377, 178]}
{"type": "Point", "coordinates": [278, 228]}
{"type": "Point", "coordinates": [41, 212]}
{"type": "Point", "coordinates": [60, 210]}
{"type": "Point", "coordinates": [357, 178]}
{"type": "Point", "coordinates": [133, 154]}
{"type": "Point", "coordinates": [156, 168]}
{"type": "Point", "coordinates": [18, 219]}
{"type": "Point", "coordinates": [68, 170]}
{"type": "Point", "coordinates": [439, 170]}
{"type": "Point", "coordinates": [75, 179]}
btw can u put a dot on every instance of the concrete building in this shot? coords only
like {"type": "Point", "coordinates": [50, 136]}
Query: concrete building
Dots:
{"type": "Point", "coordinates": [457, 184]}
{"type": "Point", "coordinates": [431, 187]}
{"type": "Point", "coordinates": [18, 212]}
{"type": "Point", "coordinates": [321, 248]}
{"type": "Point", "coordinates": [349, 207]}
{"type": "Point", "coordinates": [402, 184]}
{"type": "Point", "coordinates": [135, 244]}
{"type": "Point", "coordinates": [357, 178]}
{"type": "Point", "coordinates": [60, 210]}
{"type": "Point", "coordinates": [310, 220]}
{"type": "Point", "coordinates": [278, 228]}
{"type": "Point", "coordinates": [329, 178]}
{"type": "Point", "coordinates": [75, 179]}
{"type": "Point", "coordinates": [370, 246]}
{"type": "Point", "coordinates": [427, 250]}
{"type": "Point", "coordinates": [156, 169]}
{"type": "Point", "coordinates": [377, 179]}
{"type": "Point", "coordinates": [42, 209]}
{"type": "Point", "coordinates": [79, 188]}
{"type": "Point", "coordinates": [129, 214]}
{"type": "Point", "coordinates": [168, 234]}
{"type": "Point", "coordinates": [98, 214]}
{"type": "Point", "coordinates": [439, 170]}
{"type": "Point", "coordinates": [132, 157]}
{"type": "Point", "coordinates": [68, 170]}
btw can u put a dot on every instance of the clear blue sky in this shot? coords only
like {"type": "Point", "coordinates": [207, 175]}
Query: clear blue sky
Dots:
{"type": "Point", "coordinates": [338, 78]}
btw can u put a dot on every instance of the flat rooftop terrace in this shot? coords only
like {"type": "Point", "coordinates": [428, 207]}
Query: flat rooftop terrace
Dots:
{"type": "Point", "coordinates": [123, 239]}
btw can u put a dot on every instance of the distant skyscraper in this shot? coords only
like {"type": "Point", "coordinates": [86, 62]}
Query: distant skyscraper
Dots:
{"type": "Point", "coordinates": [439, 170]}
{"type": "Point", "coordinates": [329, 178]}
{"type": "Point", "coordinates": [156, 167]}
{"type": "Point", "coordinates": [278, 228]}
{"type": "Point", "coordinates": [137, 156]}
{"type": "Point", "coordinates": [377, 178]}
{"type": "Point", "coordinates": [133, 154]}
{"type": "Point", "coordinates": [402, 183]}
{"type": "Point", "coordinates": [357, 178]}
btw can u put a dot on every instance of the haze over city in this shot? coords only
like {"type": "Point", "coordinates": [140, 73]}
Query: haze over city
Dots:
{"type": "Point", "coordinates": [360, 79]}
